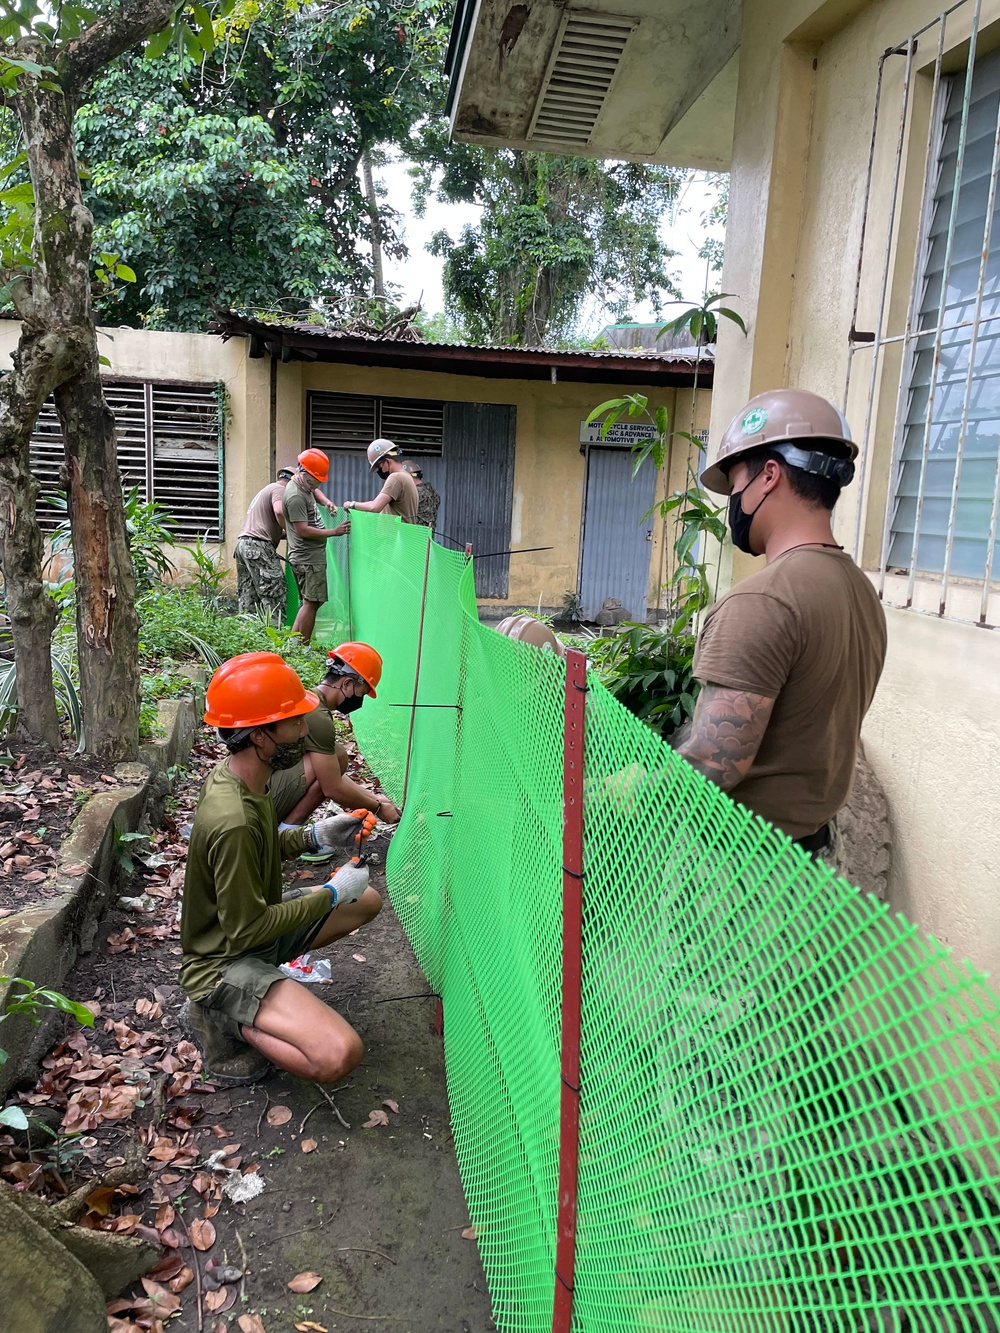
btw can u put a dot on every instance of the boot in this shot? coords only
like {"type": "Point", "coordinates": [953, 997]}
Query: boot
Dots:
{"type": "Point", "coordinates": [226, 1057]}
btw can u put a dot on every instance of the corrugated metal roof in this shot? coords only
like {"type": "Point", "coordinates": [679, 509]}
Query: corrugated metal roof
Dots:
{"type": "Point", "coordinates": [312, 341]}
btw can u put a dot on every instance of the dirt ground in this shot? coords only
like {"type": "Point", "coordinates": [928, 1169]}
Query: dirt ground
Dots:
{"type": "Point", "coordinates": [377, 1213]}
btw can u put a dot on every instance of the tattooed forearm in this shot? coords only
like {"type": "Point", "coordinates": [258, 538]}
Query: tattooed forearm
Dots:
{"type": "Point", "coordinates": [726, 732]}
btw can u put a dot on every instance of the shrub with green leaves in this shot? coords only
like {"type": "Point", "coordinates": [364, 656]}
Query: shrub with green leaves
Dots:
{"type": "Point", "coordinates": [178, 624]}
{"type": "Point", "coordinates": [649, 671]}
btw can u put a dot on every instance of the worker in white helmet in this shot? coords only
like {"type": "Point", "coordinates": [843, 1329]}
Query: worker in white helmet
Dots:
{"type": "Point", "coordinates": [398, 495]}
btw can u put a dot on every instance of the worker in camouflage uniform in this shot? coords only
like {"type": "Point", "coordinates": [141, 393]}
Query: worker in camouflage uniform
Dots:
{"type": "Point", "coordinates": [428, 500]}
{"type": "Point", "coordinates": [260, 577]}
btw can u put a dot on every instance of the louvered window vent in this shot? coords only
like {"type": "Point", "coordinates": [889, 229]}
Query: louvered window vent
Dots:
{"type": "Point", "coordinates": [169, 445]}
{"type": "Point", "coordinates": [585, 61]}
{"type": "Point", "coordinates": [353, 420]}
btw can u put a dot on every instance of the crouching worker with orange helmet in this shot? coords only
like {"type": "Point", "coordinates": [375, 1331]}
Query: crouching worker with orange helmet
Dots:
{"type": "Point", "coordinates": [236, 924]}
{"type": "Point", "coordinates": [353, 670]}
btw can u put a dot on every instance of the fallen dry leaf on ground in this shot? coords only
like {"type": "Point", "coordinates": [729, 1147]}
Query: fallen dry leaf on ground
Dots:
{"type": "Point", "coordinates": [469, 1233]}
{"type": "Point", "coordinates": [303, 1282]}
{"type": "Point", "coordinates": [392, 1105]}
{"type": "Point", "coordinates": [375, 1118]}
{"type": "Point", "coordinates": [251, 1323]}
{"type": "Point", "coordinates": [308, 1145]}
{"type": "Point", "coordinates": [202, 1234]}
{"type": "Point", "coordinates": [359, 957]}
{"type": "Point", "coordinates": [165, 1303]}
{"type": "Point", "coordinates": [307, 1326]}
{"type": "Point", "coordinates": [279, 1115]}
{"type": "Point", "coordinates": [215, 1300]}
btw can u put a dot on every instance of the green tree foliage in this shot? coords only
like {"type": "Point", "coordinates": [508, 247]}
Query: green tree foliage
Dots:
{"type": "Point", "coordinates": [554, 232]}
{"type": "Point", "coordinates": [234, 179]}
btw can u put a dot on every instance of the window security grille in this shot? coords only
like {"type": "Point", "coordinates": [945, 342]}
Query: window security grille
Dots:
{"type": "Point", "coordinates": [352, 421]}
{"type": "Point", "coordinates": [941, 519]}
{"type": "Point", "coordinates": [924, 529]}
{"type": "Point", "coordinates": [169, 446]}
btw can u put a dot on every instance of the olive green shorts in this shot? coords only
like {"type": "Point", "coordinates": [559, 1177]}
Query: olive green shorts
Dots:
{"type": "Point", "coordinates": [287, 787]}
{"type": "Point", "coordinates": [311, 583]}
{"type": "Point", "coordinates": [246, 980]}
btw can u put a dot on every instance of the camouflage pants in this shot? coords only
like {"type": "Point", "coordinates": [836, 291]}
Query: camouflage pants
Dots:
{"type": "Point", "coordinates": [260, 579]}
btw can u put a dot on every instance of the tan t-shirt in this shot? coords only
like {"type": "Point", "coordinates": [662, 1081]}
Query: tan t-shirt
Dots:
{"type": "Point", "coordinates": [261, 520]}
{"type": "Point", "coordinates": [300, 507]}
{"type": "Point", "coordinates": [809, 631]}
{"type": "Point", "coordinates": [403, 498]}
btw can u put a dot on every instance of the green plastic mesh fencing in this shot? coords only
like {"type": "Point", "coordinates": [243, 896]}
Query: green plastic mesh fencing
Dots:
{"type": "Point", "coordinates": [789, 1095]}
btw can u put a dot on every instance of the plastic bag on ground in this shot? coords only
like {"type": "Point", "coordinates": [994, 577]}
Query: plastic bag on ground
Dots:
{"type": "Point", "coordinates": [311, 971]}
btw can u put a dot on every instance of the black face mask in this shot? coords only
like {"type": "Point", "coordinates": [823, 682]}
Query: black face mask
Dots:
{"type": "Point", "coordinates": [352, 704]}
{"type": "Point", "coordinates": [380, 474]}
{"type": "Point", "coordinates": [287, 755]}
{"type": "Point", "coordinates": [740, 521]}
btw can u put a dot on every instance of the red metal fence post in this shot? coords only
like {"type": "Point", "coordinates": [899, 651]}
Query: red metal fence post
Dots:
{"type": "Point", "coordinates": [572, 975]}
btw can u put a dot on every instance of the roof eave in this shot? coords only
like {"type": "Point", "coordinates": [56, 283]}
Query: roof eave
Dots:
{"type": "Point", "coordinates": [295, 344]}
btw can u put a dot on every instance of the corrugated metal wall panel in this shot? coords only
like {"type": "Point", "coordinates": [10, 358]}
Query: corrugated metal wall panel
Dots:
{"type": "Point", "coordinates": [615, 546]}
{"type": "Point", "coordinates": [478, 486]}
{"type": "Point", "coordinates": [349, 477]}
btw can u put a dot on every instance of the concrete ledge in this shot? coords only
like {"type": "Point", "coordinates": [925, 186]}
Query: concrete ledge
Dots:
{"type": "Point", "coordinates": [42, 942]}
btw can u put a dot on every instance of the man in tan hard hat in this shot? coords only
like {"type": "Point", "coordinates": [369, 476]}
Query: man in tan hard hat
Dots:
{"type": "Point", "coordinates": [307, 539]}
{"type": "Point", "coordinates": [398, 495]}
{"type": "Point", "coordinates": [789, 659]}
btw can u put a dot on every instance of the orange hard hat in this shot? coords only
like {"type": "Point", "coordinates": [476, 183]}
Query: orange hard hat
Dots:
{"type": "Point", "coordinates": [254, 689]}
{"type": "Point", "coordinates": [362, 659]}
{"type": "Point", "coordinates": [316, 463]}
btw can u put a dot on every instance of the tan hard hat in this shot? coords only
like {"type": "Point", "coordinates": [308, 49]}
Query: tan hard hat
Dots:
{"type": "Point", "coordinates": [781, 417]}
{"type": "Point", "coordinates": [526, 629]}
{"type": "Point", "coordinates": [377, 450]}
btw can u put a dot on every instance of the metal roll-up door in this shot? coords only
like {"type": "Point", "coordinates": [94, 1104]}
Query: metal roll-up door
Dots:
{"type": "Point", "coordinates": [477, 489]}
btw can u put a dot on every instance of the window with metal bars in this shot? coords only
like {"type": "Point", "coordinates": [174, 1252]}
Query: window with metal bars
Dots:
{"type": "Point", "coordinates": [170, 446]}
{"type": "Point", "coordinates": [947, 472]}
{"type": "Point", "coordinates": [353, 420]}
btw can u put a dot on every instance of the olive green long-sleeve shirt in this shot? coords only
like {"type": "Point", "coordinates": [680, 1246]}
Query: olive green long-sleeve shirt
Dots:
{"type": "Point", "coordinates": [232, 887]}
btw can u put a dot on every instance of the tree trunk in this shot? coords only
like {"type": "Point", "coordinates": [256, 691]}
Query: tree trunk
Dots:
{"type": "Point", "coordinates": [107, 626]}
{"type": "Point", "coordinates": [539, 311]}
{"type": "Point", "coordinates": [32, 611]}
{"type": "Point", "coordinates": [372, 200]}
{"type": "Point", "coordinates": [40, 359]}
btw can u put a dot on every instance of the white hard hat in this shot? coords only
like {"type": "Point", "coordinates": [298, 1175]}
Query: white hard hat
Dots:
{"type": "Point", "coordinates": [377, 450]}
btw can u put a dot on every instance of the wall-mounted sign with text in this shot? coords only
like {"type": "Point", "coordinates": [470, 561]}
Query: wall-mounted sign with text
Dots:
{"type": "Point", "coordinates": [624, 433]}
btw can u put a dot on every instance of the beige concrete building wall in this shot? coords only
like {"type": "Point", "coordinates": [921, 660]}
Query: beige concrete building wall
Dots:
{"type": "Point", "coordinates": [549, 468]}
{"type": "Point", "coordinates": [806, 96]}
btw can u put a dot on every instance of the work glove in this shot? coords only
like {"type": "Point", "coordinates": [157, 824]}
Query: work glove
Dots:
{"type": "Point", "coordinates": [346, 830]}
{"type": "Point", "coordinates": [348, 884]}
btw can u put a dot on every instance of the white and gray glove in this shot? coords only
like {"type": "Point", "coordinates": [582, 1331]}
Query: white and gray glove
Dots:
{"type": "Point", "coordinates": [347, 830]}
{"type": "Point", "coordinates": [348, 884]}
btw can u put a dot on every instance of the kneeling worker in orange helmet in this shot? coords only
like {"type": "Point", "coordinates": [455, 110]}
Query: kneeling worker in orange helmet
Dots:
{"type": "Point", "coordinates": [353, 670]}
{"type": "Point", "coordinates": [306, 538]}
{"type": "Point", "coordinates": [236, 924]}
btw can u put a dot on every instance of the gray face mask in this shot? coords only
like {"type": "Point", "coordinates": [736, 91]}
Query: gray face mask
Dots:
{"type": "Point", "coordinates": [288, 755]}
